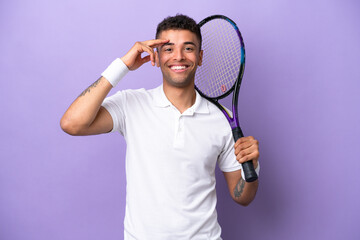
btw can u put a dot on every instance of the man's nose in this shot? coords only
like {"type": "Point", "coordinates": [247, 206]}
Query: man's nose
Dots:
{"type": "Point", "coordinates": [178, 54]}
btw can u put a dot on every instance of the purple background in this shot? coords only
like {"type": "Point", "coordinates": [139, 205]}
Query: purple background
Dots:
{"type": "Point", "coordinates": [299, 98]}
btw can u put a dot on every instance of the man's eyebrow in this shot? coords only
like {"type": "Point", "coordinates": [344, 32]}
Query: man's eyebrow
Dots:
{"type": "Point", "coordinates": [185, 43]}
{"type": "Point", "coordinates": [171, 44]}
{"type": "Point", "coordinates": [168, 43]}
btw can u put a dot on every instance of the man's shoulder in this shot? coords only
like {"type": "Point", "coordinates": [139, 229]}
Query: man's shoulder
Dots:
{"type": "Point", "coordinates": [137, 93]}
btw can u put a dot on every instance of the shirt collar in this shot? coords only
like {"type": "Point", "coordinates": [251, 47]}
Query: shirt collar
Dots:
{"type": "Point", "coordinates": [200, 105]}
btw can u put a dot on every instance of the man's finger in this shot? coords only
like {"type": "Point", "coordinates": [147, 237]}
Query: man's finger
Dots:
{"type": "Point", "coordinates": [155, 42]}
{"type": "Point", "coordinates": [242, 140]}
{"type": "Point", "coordinates": [145, 59]}
{"type": "Point", "coordinates": [243, 146]}
{"type": "Point", "coordinates": [151, 53]}
{"type": "Point", "coordinates": [247, 151]}
{"type": "Point", "coordinates": [247, 156]}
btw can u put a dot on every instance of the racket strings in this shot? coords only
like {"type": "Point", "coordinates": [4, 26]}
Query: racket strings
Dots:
{"type": "Point", "coordinates": [221, 58]}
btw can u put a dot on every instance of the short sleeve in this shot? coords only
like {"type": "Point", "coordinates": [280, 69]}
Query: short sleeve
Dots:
{"type": "Point", "coordinates": [227, 160]}
{"type": "Point", "coordinates": [115, 105]}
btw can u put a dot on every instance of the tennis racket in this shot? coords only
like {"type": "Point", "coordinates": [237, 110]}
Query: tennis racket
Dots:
{"type": "Point", "coordinates": [221, 71]}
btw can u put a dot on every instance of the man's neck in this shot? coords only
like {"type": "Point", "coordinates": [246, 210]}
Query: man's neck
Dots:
{"type": "Point", "coordinates": [181, 98]}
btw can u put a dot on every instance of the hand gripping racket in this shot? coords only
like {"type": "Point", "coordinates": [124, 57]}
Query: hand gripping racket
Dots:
{"type": "Point", "coordinates": [221, 71]}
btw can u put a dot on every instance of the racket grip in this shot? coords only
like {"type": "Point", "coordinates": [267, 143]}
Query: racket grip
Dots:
{"type": "Point", "coordinates": [248, 167]}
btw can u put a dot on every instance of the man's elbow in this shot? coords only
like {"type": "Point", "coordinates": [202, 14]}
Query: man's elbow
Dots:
{"type": "Point", "coordinates": [242, 202]}
{"type": "Point", "coordinates": [70, 127]}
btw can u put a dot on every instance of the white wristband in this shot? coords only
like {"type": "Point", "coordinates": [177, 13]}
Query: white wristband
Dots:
{"type": "Point", "coordinates": [257, 170]}
{"type": "Point", "coordinates": [115, 72]}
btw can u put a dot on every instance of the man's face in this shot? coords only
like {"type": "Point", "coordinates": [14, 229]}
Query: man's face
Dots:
{"type": "Point", "coordinates": [179, 58]}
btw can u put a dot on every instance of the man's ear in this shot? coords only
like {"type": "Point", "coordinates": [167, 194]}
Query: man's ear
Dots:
{"type": "Point", "coordinates": [200, 57]}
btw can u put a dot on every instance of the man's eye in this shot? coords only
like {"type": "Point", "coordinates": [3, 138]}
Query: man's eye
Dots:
{"type": "Point", "coordinates": [167, 50]}
{"type": "Point", "coordinates": [189, 49]}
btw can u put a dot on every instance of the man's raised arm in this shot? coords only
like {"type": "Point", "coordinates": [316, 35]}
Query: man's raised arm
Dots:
{"type": "Point", "coordinates": [86, 116]}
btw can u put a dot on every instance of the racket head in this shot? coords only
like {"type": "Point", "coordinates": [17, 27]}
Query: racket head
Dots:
{"type": "Point", "coordinates": [222, 69]}
{"type": "Point", "coordinates": [223, 60]}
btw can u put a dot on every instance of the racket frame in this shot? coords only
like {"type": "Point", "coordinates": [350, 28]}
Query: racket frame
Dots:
{"type": "Point", "coordinates": [250, 174]}
{"type": "Point", "coordinates": [233, 119]}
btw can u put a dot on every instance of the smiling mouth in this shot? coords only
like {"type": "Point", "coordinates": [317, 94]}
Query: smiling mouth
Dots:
{"type": "Point", "coordinates": [179, 67]}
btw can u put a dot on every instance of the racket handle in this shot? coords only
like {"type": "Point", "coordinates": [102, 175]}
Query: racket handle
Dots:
{"type": "Point", "coordinates": [248, 167]}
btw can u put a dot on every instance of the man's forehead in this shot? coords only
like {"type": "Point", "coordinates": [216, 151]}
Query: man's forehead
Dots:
{"type": "Point", "coordinates": [176, 33]}
{"type": "Point", "coordinates": [179, 36]}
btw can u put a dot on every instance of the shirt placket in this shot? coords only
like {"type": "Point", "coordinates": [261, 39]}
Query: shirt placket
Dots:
{"type": "Point", "coordinates": [179, 138]}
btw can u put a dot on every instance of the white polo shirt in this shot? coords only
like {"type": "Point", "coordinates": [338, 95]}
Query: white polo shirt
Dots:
{"type": "Point", "coordinates": [170, 164]}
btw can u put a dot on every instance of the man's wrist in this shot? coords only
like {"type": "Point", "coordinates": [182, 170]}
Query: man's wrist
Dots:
{"type": "Point", "coordinates": [115, 72]}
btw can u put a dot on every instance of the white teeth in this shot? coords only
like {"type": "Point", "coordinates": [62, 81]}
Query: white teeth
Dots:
{"type": "Point", "coordinates": [178, 67]}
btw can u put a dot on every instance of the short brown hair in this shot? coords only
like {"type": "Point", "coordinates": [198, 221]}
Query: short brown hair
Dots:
{"type": "Point", "coordinates": [179, 21]}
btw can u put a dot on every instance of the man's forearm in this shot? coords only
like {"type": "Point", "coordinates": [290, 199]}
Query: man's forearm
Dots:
{"type": "Point", "coordinates": [244, 192]}
{"type": "Point", "coordinates": [84, 109]}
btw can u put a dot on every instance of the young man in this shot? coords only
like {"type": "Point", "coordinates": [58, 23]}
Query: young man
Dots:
{"type": "Point", "coordinates": [174, 139]}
